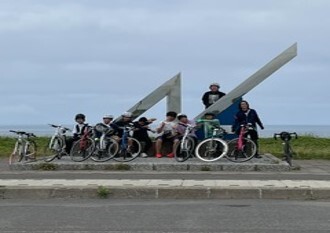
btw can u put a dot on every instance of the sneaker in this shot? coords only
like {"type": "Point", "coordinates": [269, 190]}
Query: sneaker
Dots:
{"type": "Point", "coordinates": [159, 155]}
{"type": "Point", "coordinates": [144, 155]}
{"type": "Point", "coordinates": [170, 155]}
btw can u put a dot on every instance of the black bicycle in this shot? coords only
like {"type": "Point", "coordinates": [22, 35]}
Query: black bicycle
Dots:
{"type": "Point", "coordinates": [287, 150]}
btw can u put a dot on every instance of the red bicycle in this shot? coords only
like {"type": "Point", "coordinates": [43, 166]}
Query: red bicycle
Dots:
{"type": "Point", "coordinates": [84, 147]}
{"type": "Point", "coordinates": [241, 149]}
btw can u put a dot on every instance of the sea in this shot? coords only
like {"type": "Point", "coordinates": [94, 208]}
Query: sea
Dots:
{"type": "Point", "coordinates": [302, 130]}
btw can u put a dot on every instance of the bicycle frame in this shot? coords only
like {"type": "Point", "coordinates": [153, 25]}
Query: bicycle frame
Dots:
{"type": "Point", "coordinates": [22, 146]}
{"type": "Point", "coordinates": [286, 138]}
{"type": "Point", "coordinates": [59, 133]}
{"type": "Point", "coordinates": [244, 129]}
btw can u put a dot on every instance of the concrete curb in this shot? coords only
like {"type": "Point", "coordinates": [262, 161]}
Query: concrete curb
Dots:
{"type": "Point", "coordinates": [267, 163]}
{"type": "Point", "coordinates": [163, 193]}
{"type": "Point", "coordinates": [165, 189]}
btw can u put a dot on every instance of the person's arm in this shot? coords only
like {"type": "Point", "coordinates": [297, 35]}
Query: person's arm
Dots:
{"type": "Point", "coordinates": [258, 121]}
{"type": "Point", "coordinates": [205, 99]}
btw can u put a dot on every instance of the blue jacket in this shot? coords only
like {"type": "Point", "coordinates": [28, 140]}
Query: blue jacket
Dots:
{"type": "Point", "coordinates": [243, 118]}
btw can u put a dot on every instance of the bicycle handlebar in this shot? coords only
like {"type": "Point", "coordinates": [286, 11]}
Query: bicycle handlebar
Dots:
{"type": "Point", "coordinates": [23, 133]}
{"type": "Point", "coordinates": [59, 126]}
{"type": "Point", "coordinates": [285, 135]}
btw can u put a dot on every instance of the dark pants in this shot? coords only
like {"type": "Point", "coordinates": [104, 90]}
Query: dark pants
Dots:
{"type": "Point", "coordinates": [147, 143]}
{"type": "Point", "coordinates": [254, 137]}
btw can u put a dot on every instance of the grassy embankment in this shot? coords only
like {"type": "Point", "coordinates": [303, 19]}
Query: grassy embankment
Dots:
{"type": "Point", "coordinates": [305, 147]}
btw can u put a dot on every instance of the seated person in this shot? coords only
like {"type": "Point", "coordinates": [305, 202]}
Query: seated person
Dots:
{"type": "Point", "coordinates": [209, 123]}
{"type": "Point", "coordinates": [140, 132]}
{"type": "Point", "coordinates": [77, 132]}
{"type": "Point", "coordinates": [166, 129]}
{"type": "Point", "coordinates": [107, 126]}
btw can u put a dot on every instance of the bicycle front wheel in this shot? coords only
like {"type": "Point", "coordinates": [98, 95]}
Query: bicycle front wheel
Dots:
{"type": "Point", "coordinates": [17, 154]}
{"type": "Point", "coordinates": [111, 150]}
{"type": "Point", "coordinates": [30, 151]}
{"type": "Point", "coordinates": [129, 152]}
{"type": "Point", "coordinates": [211, 149]}
{"type": "Point", "coordinates": [184, 149]}
{"type": "Point", "coordinates": [82, 149]}
{"type": "Point", "coordinates": [52, 149]}
{"type": "Point", "coordinates": [288, 154]}
{"type": "Point", "coordinates": [244, 154]}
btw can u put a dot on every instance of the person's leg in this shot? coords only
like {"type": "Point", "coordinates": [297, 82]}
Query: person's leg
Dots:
{"type": "Point", "coordinates": [254, 137]}
{"type": "Point", "coordinates": [159, 142]}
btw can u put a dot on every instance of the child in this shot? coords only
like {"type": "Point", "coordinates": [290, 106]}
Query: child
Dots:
{"type": "Point", "coordinates": [141, 128]}
{"type": "Point", "coordinates": [77, 132]}
{"type": "Point", "coordinates": [209, 123]}
{"type": "Point", "coordinates": [166, 129]}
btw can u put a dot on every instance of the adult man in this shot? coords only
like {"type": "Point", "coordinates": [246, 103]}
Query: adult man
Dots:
{"type": "Point", "coordinates": [212, 96]}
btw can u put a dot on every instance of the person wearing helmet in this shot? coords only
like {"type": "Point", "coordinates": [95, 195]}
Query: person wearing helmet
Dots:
{"type": "Point", "coordinates": [105, 125]}
{"type": "Point", "coordinates": [77, 132]}
{"type": "Point", "coordinates": [212, 96]}
{"type": "Point", "coordinates": [125, 120]}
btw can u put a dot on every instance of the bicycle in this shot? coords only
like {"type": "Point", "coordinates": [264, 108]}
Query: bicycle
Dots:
{"type": "Point", "coordinates": [242, 149]}
{"type": "Point", "coordinates": [214, 148]}
{"type": "Point", "coordinates": [185, 147]}
{"type": "Point", "coordinates": [83, 148]}
{"type": "Point", "coordinates": [25, 148]}
{"type": "Point", "coordinates": [105, 147]}
{"type": "Point", "coordinates": [130, 148]}
{"type": "Point", "coordinates": [56, 147]}
{"type": "Point", "coordinates": [287, 150]}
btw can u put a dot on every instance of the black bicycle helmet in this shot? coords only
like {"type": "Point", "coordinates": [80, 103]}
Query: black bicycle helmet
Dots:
{"type": "Point", "coordinates": [80, 116]}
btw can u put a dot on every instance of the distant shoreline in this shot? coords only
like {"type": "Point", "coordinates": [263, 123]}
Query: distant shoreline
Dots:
{"type": "Point", "coordinates": [310, 130]}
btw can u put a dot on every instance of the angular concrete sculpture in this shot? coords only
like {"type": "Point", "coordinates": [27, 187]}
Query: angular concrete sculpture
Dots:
{"type": "Point", "coordinates": [170, 89]}
{"type": "Point", "coordinates": [263, 73]}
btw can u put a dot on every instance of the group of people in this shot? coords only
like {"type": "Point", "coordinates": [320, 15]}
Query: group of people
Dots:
{"type": "Point", "coordinates": [173, 127]}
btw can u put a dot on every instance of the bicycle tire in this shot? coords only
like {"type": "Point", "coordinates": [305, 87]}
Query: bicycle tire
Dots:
{"type": "Point", "coordinates": [184, 150]}
{"type": "Point", "coordinates": [17, 155]}
{"type": "Point", "coordinates": [129, 154]}
{"type": "Point", "coordinates": [53, 149]}
{"type": "Point", "coordinates": [288, 154]}
{"type": "Point", "coordinates": [111, 151]}
{"type": "Point", "coordinates": [30, 153]}
{"type": "Point", "coordinates": [211, 149]}
{"type": "Point", "coordinates": [240, 156]}
{"type": "Point", "coordinates": [81, 153]}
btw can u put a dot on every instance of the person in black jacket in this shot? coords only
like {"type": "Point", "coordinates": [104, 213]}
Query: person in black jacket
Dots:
{"type": "Point", "coordinates": [247, 115]}
{"type": "Point", "coordinates": [140, 132]}
{"type": "Point", "coordinates": [212, 96]}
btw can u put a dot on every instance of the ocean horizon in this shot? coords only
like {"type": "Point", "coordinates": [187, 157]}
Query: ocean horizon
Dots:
{"type": "Point", "coordinates": [310, 130]}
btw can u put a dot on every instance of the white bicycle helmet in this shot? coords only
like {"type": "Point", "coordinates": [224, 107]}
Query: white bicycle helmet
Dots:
{"type": "Point", "coordinates": [214, 84]}
{"type": "Point", "coordinates": [127, 114]}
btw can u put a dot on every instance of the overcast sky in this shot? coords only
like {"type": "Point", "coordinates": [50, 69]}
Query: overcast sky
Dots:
{"type": "Point", "coordinates": [59, 58]}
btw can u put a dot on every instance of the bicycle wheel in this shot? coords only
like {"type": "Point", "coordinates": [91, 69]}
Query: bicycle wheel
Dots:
{"type": "Point", "coordinates": [239, 156]}
{"type": "Point", "coordinates": [17, 155]}
{"type": "Point", "coordinates": [82, 149]}
{"type": "Point", "coordinates": [129, 153]}
{"type": "Point", "coordinates": [288, 154]}
{"type": "Point", "coordinates": [111, 150]}
{"type": "Point", "coordinates": [184, 149]}
{"type": "Point", "coordinates": [30, 151]}
{"type": "Point", "coordinates": [52, 149]}
{"type": "Point", "coordinates": [211, 149]}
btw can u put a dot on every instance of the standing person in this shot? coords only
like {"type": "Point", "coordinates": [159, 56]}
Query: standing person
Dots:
{"type": "Point", "coordinates": [140, 132]}
{"type": "Point", "coordinates": [77, 132]}
{"type": "Point", "coordinates": [166, 129]}
{"type": "Point", "coordinates": [246, 115]}
{"type": "Point", "coordinates": [212, 96]}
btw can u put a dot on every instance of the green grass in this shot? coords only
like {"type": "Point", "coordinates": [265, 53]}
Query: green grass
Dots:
{"type": "Point", "coordinates": [305, 147]}
{"type": "Point", "coordinates": [7, 145]}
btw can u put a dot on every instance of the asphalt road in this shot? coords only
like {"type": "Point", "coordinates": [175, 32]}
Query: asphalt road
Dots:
{"type": "Point", "coordinates": [230, 216]}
